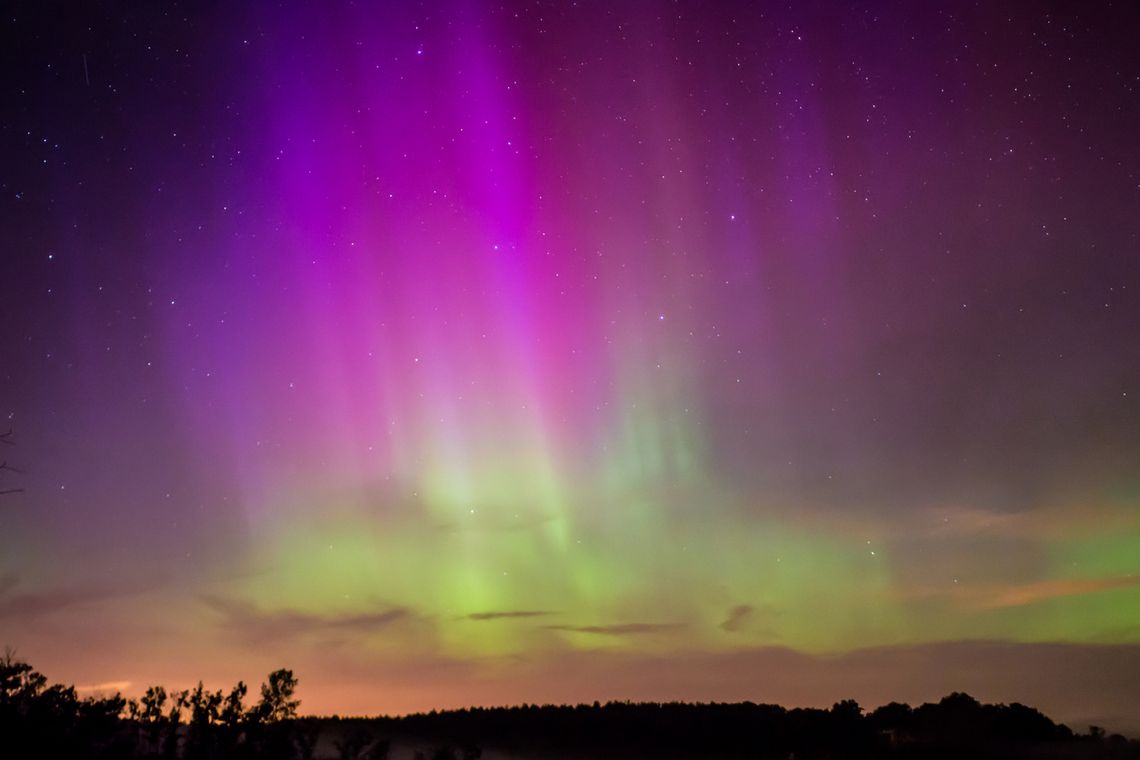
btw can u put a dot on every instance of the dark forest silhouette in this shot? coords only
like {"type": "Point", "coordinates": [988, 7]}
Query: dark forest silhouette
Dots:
{"type": "Point", "coordinates": [42, 720]}
{"type": "Point", "coordinates": [38, 720]}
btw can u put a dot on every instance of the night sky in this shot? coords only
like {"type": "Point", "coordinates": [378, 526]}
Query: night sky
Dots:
{"type": "Point", "coordinates": [470, 353]}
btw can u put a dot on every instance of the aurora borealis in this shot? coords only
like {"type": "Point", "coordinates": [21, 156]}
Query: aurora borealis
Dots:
{"type": "Point", "coordinates": [461, 353]}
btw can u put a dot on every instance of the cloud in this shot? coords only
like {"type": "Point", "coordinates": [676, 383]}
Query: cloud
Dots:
{"type": "Point", "coordinates": [970, 521]}
{"type": "Point", "coordinates": [621, 629]}
{"type": "Point", "coordinates": [737, 618]}
{"type": "Point", "coordinates": [1016, 596]}
{"type": "Point", "coordinates": [507, 614]}
{"type": "Point", "coordinates": [31, 604]}
{"type": "Point", "coordinates": [1049, 522]}
{"type": "Point", "coordinates": [249, 620]}
{"type": "Point", "coordinates": [35, 604]}
{"type": "Point", "coordinates": [107, 687]}
{"type": "Point", "coordinates": [993, 596]}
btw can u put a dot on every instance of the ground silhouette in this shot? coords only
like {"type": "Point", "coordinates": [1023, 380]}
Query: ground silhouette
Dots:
{"type": "Point", "coordinates": [42, 720]}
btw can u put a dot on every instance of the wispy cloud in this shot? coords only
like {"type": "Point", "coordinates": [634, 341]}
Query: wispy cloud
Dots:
{"type": "Point", "coordinates": [1016, 596]}
{"type": "Point", "coordinates": [993, 596]}
{"type": "Point", "coordinates": [246, 618]}
{"type": "Point", "coordinates": [972, 521]}
{"type": "Point", "coordinates": [1046, 523]}
{"type": "Point", "coordinates": [737, 618]}
{"type": "Point", "coordinates": [107, 687]}
{"type": "Point", "coordinates": [621, 629]}
{"type": "Point", "coordinates": [37, 603]}
{"type": "Point", "coordinates": [507, 614]}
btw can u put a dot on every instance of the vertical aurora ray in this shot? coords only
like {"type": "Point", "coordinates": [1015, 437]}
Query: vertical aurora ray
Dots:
{"type": "Point", "coordinates": [520, 383]}
{"type": "Point", "coordinates": [455, 347]}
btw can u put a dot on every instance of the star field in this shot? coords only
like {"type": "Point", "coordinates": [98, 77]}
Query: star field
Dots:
{"type": "Point", "coordinates": [466, 352]}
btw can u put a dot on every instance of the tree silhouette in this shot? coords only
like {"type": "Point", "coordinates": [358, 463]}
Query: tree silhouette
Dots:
{"type": "Point", "coordinates": [232, 711]}
{"type": "Point", "coordinates": [277, 701]}
{"type": "Point", "coordinates": [42, 720]}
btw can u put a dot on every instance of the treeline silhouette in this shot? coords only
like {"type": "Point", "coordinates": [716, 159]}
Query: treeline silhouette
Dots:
{"type": "Point", "coordinates": [38, 720]}
{"type": "Point", "coordinates": [958, 726]}
{"type": "Point", "coordinates": [41, 720]}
